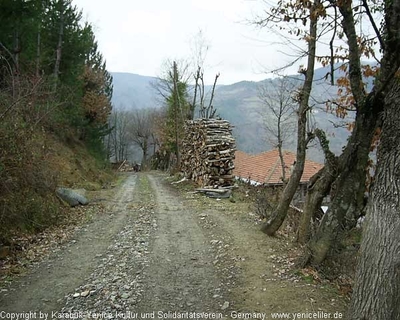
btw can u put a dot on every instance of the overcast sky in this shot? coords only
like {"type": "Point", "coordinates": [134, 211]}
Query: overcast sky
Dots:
{"type": "Point", "coordinates": [137, 36]}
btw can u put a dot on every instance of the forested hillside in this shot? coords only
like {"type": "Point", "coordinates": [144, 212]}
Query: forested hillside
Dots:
{"type": "Point", "coordinates": [55, 99]}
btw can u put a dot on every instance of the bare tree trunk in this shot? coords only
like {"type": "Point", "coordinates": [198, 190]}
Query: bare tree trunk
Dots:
{"type": "Point", "coordinates": [108, 153]}
{"type": "Point", "coordinates": [376, 292]}
{"type": "Point", "coordinates": [193, 106]}
{"type": "Point", "coordinates": [115, 137]}
{"type": "Point", "coordinates": [280, 143]}
{"type": "Point", "coordinates": [115, 148]}
{"type": "Point", "coordinates": [17, 49]}
{"type": "Point", "coordinates": [144, 161]}
{"type": "Point", "coordinates": [177, 108]}
{"type": "Point", "coordinates": [121, 152]}
{"type": "Point", "coordinates": [318, 189]}
{"type": "Point", "coordinates": [11, 70]}
{"type": "Point", "coordinates": [210, 110]}
{"type": "Point", "coordinates": [154, 139]}
{"type": "Point", "coordinates": [282, 163]}
{"type": "Point", "coordinates": [59, 44]}
{"type": "Point", "coordinates": [316, 192]}
{"type": "Point", "coordinates": [279, 215]}
{"type": "Point", "coordinates": [16, 53]}
{"type": "Point", "coordinates": [38, 52]}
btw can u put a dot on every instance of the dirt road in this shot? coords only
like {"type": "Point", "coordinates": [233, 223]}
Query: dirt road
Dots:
{"type": "Point", "coordinates": [45, 287]}
{"type": "Point", "coordinates": [159, 253]}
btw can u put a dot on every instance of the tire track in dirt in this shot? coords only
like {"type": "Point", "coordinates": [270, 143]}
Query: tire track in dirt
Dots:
{"type": "Point", "coordinates": [181, 276]}
{"type": "Point", "coordinates": [45, 287]}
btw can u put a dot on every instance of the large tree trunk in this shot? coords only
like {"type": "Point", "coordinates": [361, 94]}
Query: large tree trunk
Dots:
{"type": "Point", "coordinates": [348, 201]}
{"type": "Point", "coordinates": [279, 215]}
{"type": "Point", "coordinates": [318, 188]}
{"type": "Point", "coordinates": [316, 193]}
{"type": "Point", "coordinates": [349, 187]}
{"type": "Point", "coordinates": [376, 293]}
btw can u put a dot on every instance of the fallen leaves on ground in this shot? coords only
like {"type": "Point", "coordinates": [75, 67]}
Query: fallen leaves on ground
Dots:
{"type": "Point", "coordinates": [29, 249]}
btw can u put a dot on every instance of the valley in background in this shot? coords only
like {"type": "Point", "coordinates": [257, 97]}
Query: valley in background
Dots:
{"type": "Point", "coordinates": [240, 104]}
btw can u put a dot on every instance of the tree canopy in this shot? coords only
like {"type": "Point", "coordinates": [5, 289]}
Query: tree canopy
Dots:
{"type": "Point", "coordinates": [48, 42]}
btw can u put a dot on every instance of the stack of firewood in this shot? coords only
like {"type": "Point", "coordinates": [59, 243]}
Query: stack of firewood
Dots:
{"type": "Point", "coordinates": [208, 151]}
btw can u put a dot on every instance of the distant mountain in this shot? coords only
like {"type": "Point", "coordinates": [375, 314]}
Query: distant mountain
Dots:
{"type": "Point", "coordinates": [132, 91]}
{"type": "Point", "coordinates": [239, 103]}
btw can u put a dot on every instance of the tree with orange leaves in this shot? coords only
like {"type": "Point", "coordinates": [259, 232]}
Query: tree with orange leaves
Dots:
{"type": "Point", "coordinates": [97, 92]}
{"type": "Point", "coordinates": [96, 103]}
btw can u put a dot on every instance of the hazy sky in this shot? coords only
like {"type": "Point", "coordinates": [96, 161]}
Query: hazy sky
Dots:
{"type": "Point", "coordinates": [137, 36]}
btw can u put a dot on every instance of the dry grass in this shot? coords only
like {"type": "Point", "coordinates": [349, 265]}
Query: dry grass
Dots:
{"type": "Point", "coordinates": [33, 163]}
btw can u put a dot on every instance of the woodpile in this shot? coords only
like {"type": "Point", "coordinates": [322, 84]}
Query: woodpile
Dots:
{"type": "Point", "coordinates": [123, 166]}
{"type": "Point", "coordinates": [208, 151]}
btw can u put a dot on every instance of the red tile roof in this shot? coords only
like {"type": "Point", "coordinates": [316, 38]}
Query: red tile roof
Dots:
{"type": "Point", "coordinates": [266, 167]}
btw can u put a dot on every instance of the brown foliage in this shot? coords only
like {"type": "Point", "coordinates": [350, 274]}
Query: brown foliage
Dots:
{"type": "Point", "coordinates": [96, 105]}
{"type": "Point", "coordinates": [26, 182]}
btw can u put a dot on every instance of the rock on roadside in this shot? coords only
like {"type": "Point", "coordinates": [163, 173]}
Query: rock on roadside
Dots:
{"type": "Point", "coordinates": [71, 197]}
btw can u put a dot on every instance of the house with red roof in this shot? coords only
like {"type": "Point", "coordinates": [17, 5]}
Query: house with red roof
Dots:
{"type": "Point", "coordinates": [266, 169]}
